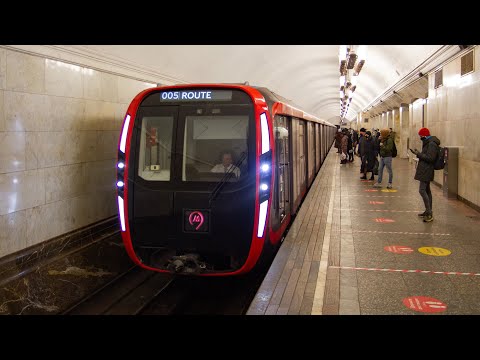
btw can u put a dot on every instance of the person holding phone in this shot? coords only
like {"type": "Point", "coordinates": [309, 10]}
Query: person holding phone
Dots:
{"type": "Point", "coordinates": [425, 169]}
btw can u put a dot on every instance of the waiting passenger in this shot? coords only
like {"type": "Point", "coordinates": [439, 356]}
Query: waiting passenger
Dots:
{"type": "Point", "coordinates": [386, 148]}
{"type": "Point", "coordinates": [425, 169]}
{"type": "Point", "coordinates": [368, 155]}
{"type": "Point", "coordinates": [226, 165]}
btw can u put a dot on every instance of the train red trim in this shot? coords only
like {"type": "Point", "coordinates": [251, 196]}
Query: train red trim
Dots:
{"type": "Point", "coordinates": [257, 244]}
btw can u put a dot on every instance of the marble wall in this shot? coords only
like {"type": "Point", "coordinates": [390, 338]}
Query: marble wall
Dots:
{"type": "Point", "coordinates": [416, 116]}
{"type": "Point", "coordinates": [59, 128]}
{"type": "Point", "coordinates": [453, 115]}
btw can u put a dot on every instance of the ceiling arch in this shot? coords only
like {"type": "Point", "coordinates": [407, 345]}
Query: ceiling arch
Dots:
{"type": "Point", "coordinates": [306, 74]}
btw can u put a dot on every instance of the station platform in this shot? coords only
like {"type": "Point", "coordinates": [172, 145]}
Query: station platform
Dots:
{"type": "Point", "coordinates": [354, 249]}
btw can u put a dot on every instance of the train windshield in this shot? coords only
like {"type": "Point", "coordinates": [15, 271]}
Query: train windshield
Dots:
{"type": "Point", "coordinates": [215, 145]}
{"type": "Point", "coordinates": [183, 139]}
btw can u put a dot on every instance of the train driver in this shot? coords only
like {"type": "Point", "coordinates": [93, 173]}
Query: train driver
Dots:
{"type": "Point", "coordinates": [226, 165]}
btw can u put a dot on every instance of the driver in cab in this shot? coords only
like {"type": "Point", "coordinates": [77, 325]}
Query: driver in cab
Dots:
{"type": "Point", "coordinates": [226, 165]}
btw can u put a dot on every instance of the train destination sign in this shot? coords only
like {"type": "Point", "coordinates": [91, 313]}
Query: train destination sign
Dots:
{"type": "Point", "coordinates": [196, 95]}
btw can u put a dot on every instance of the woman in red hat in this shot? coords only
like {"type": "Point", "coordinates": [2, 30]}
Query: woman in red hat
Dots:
{"type": "Point", "coordinates": [425, 169]}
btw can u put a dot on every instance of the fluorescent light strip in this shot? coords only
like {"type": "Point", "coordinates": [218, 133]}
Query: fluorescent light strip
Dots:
{"type": "Point", "coordinates": [262, 217]}
{"type": "Point", "coordinates": [121, 212]}
{"type": "Point", "coordinates": [123, 140]}
{"type": "Point", "coordinates": [265, 133]}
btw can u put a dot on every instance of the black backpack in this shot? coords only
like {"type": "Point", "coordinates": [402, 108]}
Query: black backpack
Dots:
{"type": "Point", "coordinates": [439, 163]}
{"type": "Point", "coordinates": [394, 150]}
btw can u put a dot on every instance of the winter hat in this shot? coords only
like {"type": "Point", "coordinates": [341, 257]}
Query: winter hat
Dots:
{"type": "Point", "coordinates": [424, 132]}
{"type": "Point", "coordinates": [384, 133]}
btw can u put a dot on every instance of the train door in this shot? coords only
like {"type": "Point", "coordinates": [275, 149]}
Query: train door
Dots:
{"type": "Point", "coordinates": [317, 148]}
{"type": "Point", "coordinates": [302, 159]}
{"type": "Point", "coordinates": [310, 128]}
{"type": "Point", "coordinates": [322, 142]}
{"type": "Point", "coordinates": [282, 179]}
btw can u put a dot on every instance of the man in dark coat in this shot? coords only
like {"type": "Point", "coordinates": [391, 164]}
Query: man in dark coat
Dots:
{"type": "Point", "coordinates": [338, 139]}
{"type": "Point", "coordinates": [344, 145]}
{"type": "Point", "coordinates": [368, 155]}
{"type": "Point", "coordinates": [425, 169]}
{"type": "Point", "coordinates": [361, 149]}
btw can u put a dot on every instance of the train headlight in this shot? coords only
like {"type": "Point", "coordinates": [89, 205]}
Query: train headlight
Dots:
{"type": "Point", "coordinates": [265, 133]}
{"type": "Point", "coordinates": [262, 218]}
{"type": "Point", "coordinates": [265, 176]}
{"type": "Point", "coordinates": [121, 212]}
{"type": "Point", "coordinates": [123, 138]}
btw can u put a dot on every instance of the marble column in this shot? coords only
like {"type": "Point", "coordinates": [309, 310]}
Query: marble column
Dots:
{"type": "Point", "coordinates": [402, 131]}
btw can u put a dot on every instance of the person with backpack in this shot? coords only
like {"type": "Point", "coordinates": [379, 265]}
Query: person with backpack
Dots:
{"type": "Point", "coordinates": [386, 155]}
{"type": "Point", "coordinates": [425, 169]}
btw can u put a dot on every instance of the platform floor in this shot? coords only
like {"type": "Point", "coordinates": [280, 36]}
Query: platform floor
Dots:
{"type": "Point", "coordinates": [353, 249]}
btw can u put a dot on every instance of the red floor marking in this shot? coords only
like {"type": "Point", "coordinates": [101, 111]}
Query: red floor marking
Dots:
{"type": "Point", "coordinates": [398, 232]}
{"type": "Point", "coordinates": [406, 271]}
{"type": "Point", "coordinates": [384, 220]}
{"type": "Point", "coordinates": [376, 202]}
{"type": "Point", "coordinates": [424, 304]}
{"type": "Point", "coordinates": [398, 249]}
{"type": "Point", "coordinates": [383, 210]}
{"type": "Point", "coordinates": [382, 196]}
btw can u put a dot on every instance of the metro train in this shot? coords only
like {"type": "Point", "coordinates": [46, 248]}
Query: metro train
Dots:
{"type": "Point", "coordinates": [209, 176]}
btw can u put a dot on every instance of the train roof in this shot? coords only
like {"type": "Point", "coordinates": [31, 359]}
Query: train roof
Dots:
{"type": "Point", "coordinates": [273, 97]}
{"type": "Point", "coordinates": [287, 107]}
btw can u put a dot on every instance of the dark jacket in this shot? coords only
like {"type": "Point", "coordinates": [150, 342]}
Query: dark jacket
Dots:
{"type": "Point", "coordinates": [376, 146]}
{"type": "Point", "coordinates": [369, 153]}
{"type": "Point", "coordinates": [344, 144]}
{"type": "Point", "coordinates": [355, 137]}
{"type": "Point", "coordinates": [361, 147]}
{"type": "Point", "coordinates": [427, 157]}
{"type": "Point", "coordinates": [338, 138]}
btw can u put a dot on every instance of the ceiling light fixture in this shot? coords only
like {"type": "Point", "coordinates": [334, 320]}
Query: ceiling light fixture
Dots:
{"type": "Point", "coordinates": [351, 62]}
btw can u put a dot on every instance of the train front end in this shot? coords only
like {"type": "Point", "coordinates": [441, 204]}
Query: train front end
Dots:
{"type": "Point", "coordinates": [194, 178]}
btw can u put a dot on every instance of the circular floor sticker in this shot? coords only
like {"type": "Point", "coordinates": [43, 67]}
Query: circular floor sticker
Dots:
{"type": "Point", "coordinates": [424, 304]}
{"type": "Point", "coordinates": [389, 190]}
{"type": "Point", "coordinates": [398, 249]}
{"type": "Point", "coordinates": [371, 190]}
{"type": "Point", "coordinates": [384, 220]}
{"type": "Point", "coordinates": [434, 251]}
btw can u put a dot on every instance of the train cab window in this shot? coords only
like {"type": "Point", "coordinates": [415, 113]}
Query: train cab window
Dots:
{"type": "Point", "coordinates": [155, 148]}
{"type": "Point", "coordinates": [214, 145]}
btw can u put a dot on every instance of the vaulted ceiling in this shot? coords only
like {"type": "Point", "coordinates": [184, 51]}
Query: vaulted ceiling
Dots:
{"type": "Point", "coordinates": [306, 74]}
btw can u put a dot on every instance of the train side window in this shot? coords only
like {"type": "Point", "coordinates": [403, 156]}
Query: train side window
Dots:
{"type": "Point", "coordinates": [155, 148]}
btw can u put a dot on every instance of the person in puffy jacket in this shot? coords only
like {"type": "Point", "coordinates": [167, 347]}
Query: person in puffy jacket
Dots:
{"type": "Point", "coordinates": [425, 169]}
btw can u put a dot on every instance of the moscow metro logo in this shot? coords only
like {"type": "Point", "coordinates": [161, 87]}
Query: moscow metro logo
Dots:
{"type": "Point", "coordinates": [196, 221]}
{"type": "Point", "coordinates": [196, 217]}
